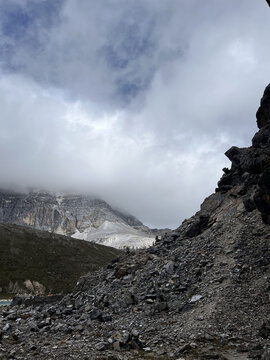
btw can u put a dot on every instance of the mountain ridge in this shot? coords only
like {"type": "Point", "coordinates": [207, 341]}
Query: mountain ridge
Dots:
{"type": "Point", "coordinates": [79, 216]}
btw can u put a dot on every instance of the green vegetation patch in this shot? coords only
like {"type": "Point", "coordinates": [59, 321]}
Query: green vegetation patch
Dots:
{"type": "Point", "coordinates": [55, 261]}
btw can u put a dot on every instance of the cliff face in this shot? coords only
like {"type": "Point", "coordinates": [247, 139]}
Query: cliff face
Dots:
{"type": "Point", "coordinates": [60, 214]}
{"type": "Point", "coordinates": [82, 217]}
{"type": "Point", "coordinates": [250, 168]}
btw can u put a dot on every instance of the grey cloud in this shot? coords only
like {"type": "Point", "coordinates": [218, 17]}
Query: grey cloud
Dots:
{"type": "Point", "coordinates": [133, 100]}
{"type": "Point", "coordinates": [107, 51]}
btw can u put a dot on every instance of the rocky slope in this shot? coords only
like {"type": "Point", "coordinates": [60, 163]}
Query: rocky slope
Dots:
{"type": "Point", "coordinates": [35, 261]}
{"type": "Point", "coordinates": [202, 292]}
{"type": "Point", "coordinates": [82, 217]}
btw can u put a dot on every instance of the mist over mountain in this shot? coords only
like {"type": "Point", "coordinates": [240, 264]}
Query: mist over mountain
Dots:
{"type": "Point", "coordinates": [80, 216]}
{"type": "Point", "coordinates": [133, 101]}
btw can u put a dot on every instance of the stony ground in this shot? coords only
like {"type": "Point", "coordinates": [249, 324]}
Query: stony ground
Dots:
{"type": "Point", "coordinates": [203, 297]}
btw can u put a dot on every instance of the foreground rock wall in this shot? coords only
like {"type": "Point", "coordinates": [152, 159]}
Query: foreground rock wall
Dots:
{"type": "Point", "coordinates": [251, 166]}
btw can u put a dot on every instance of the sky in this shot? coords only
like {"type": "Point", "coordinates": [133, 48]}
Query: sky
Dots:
{"type": "Point", "coordinates": [134, 101]}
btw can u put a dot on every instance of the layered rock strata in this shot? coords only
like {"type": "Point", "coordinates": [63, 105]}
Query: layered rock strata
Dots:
{"type": "Point", "coordinates": [82, 217]}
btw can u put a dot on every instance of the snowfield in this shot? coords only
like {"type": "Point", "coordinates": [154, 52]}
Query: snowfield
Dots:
{"type": "Point", "coordinates": [116, 234]}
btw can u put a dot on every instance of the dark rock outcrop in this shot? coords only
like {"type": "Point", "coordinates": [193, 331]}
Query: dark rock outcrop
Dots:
{"type": "Point", "coordinates": [251, 166]}
{"type": "Point", "coordinates": [263, 113]}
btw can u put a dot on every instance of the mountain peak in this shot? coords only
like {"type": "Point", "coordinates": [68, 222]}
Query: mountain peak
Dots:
{"type": "Point", "coordinates": [79, 216]}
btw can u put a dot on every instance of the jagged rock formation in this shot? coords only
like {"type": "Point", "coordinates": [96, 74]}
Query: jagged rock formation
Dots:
{"type": "Point", "coordinates": [82, 217]}
{"type": "Point", "coordinates": [250, 168]}
{"type": "Point", "coordinates": [202, 292]}
{"type": "Point", "coordinates": [39, 262]}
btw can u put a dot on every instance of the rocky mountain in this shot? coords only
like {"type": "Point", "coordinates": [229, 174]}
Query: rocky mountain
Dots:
{"type": "Point", "coordinates": [39, 262]}
{"type": "Point", "coordinates": [201, 292]}
{"type": "Point", "coordinates": [82, 217]}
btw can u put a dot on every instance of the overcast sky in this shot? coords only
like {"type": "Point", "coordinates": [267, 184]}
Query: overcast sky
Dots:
{"type": "Point", "coordinates": [132, 100]}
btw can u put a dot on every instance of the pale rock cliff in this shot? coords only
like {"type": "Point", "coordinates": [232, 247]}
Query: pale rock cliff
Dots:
{"type": "Point", "coordinates": [82, 217]}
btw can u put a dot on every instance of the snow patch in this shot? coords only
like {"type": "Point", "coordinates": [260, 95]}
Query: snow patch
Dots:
{"type": "Point", "coordinates": [116, 234]}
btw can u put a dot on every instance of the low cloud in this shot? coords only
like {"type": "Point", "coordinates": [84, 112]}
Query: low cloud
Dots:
{"type": "Point", "coordinates": [134, 102]}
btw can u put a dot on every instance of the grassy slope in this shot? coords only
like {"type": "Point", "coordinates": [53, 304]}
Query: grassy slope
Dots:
{"type": "Point", "coordinates": [53, 260]}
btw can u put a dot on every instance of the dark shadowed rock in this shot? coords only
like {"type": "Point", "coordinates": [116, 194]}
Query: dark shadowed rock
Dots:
{"type": "Point", "coordinates": [95, 314]}
{"type": "Point", "coordinates": [265, 330]}
{"type": "Point", "coordinates": [263, 113]}
{"type": "Point", "coordinates": [250, 168]}
{"type": "Point", "coordinates": [262, 138]}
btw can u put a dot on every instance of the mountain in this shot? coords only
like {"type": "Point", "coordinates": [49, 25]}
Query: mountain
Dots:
{"type": "Point", "coordinates": [82, 217]}
{"type": "Point", "coordinates": [201, 292]}
{"type": "Point", "coordinates": [37, 261]}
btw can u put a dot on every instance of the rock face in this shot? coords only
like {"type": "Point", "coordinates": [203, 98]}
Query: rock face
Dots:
{"type": "Point", "coordinates": [250, 169]}
{"type": "Point", "coordinates": [201, 292]}
{"type": "Point", "coordinates": [82, 217]}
